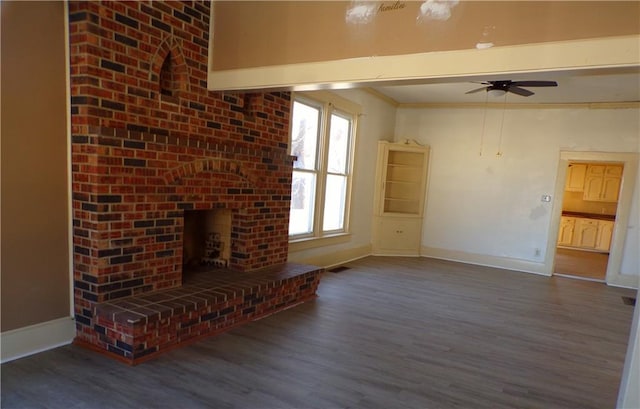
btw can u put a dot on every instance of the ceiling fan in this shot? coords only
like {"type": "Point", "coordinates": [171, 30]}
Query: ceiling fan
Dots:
{"type": "Point", "coordinates": [512, 86]}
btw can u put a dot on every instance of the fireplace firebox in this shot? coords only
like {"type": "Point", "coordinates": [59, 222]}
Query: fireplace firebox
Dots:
{"type": "Point", "coordinates": [206, 240]}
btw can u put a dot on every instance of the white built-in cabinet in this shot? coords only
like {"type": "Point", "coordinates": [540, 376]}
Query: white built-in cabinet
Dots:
{"type": "Point", "coordinates": [583, 233]}
{"type": "Point", "coordinates": [401, 179]}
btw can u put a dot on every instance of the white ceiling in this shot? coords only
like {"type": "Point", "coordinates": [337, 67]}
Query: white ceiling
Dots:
{"type": "Point", "coordinates": [580, 87]}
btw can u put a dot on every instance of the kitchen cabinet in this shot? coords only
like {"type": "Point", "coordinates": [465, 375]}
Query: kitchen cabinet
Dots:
{"type": "Point", "coordinates": [585, 233]}
{"type": "Point", "coordinates": [401, 178]}
{"type": "Point", "coordinates": [565, 236]}
{"type": "Point", "coordinates": [602, 183]}
{"type": "Point", "coordinates": [605, 233]}
{"type": "Point", "coordinates": [575, 177]}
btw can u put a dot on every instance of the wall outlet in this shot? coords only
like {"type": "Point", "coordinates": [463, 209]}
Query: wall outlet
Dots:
{"type": "Point", "coordinates": [536, 252]}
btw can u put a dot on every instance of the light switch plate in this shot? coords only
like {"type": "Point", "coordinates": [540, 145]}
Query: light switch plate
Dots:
{"type": "Point", "coordinates": [546, 198]}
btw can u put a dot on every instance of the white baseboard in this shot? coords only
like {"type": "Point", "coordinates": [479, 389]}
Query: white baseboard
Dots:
{"type": "Point", "coordinates": [395, 253]}
{"type": "Point", "coordinates": [30, 340]}
{"type": "Point", "coordinates": [624, 280]}
{"type": "Point", "coordinates": [333, 258]}
{"type": "Point", "coordinates": [615, 280]}
{"type": "Point", "coordinates": [629, 393]}
{"type": "Point", "coordinates": [485, 260]}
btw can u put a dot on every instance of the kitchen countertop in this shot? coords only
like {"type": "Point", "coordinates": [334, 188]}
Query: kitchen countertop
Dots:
{"type": "Point", "coordinates": [589, 215]}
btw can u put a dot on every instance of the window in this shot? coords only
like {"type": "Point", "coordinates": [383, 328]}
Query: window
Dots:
{"type": "Point", "coordinates": [322, 139]}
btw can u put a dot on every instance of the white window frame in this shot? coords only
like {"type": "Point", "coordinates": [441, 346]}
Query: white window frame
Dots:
{"type": "Point", "coordinates": [328, 103]}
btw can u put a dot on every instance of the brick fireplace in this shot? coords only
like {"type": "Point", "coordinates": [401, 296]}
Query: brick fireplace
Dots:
{"type": "Point", "coordinates": [149, 143]}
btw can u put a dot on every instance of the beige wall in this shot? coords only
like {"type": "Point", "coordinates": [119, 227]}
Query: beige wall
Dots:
{"type": "Point", "coordinates": [261, 33]}
{"type": "Point", "coordinates": [35, 253]}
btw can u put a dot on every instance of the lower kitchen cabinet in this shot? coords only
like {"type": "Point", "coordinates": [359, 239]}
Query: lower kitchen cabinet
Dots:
{"type": "Point", "coordinates": [605, 233]}
{"type": "Point", "coordinates": [565, 236]}
{"type": "Point", "coordinates": [583, 233]}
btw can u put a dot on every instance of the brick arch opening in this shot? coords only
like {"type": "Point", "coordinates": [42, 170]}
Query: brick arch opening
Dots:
{"type": "Point", "coordinates": [214, 165]}
{"type": "Point", "coordinates": [169, 70]}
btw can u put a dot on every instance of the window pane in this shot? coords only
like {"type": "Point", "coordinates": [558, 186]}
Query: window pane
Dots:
{"type": "Point", "coordinates": [339, 144]}
{"type": "Point", "coordinates": [334, 203]}
{"type": "Point", "coordinates": [304, 135]}
{"type": "Point", "coordinates": [303, 189]}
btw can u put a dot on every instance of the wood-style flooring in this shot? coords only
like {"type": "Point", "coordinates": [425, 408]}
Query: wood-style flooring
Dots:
{"type": "Point", "coordinates": [387, 333]}
{"type": "Point", "coordinates": [582, 264]}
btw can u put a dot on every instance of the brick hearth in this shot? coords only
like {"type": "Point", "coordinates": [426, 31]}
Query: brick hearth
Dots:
{"type": "Point", "coordinates": [136, 328]}
{"type": "Point", "coordinates": [149, 141]}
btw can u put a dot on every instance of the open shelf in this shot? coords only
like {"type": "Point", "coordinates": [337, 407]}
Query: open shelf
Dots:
{"type": "Point", "coordinates": [403, 182]}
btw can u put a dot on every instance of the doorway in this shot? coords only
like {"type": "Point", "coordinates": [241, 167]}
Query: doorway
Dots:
{"type": "Point", "coordinates": [591, 211]}
{"type": "Point", "coordinates": [589, 206]}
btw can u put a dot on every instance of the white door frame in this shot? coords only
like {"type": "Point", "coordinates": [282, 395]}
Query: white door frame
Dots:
{"type": "Point", "coordinates": [630, 161]}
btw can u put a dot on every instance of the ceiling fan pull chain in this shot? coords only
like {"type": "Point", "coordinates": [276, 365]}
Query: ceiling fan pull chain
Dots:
{"type": "Point", "coordinates": [484, 121]}
{"type": "Point", "coordinates": [504, 108]}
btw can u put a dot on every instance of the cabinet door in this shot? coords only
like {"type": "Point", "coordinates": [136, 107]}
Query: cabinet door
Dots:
{"type": "Point", "coordinates": [596, 170]}
{"type": "Point", "coordinates": [611, 183]}
{"type": "Point", "coordinates": [610, 189]}
{"type": "Point", "coordinates": [585, 233]}
{"type": "Point", "coordinates": [398, 235]}
{"type": "Point", "coordinates": [613, 171]}
{"type": "Point", "coordinates": [575, 177]}
{"type": "Point", "coordinates": [593, 188]}
{"type": "Point", "coordinates": [605, 232]}
{"type": "Point", "coordinates": [565, 236]}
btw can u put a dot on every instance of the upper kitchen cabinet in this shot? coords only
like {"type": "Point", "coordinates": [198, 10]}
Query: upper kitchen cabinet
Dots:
{"type": "Point", "coordinates": [602, 183]}
{"type": "Point", "coordinates": [575, 177]}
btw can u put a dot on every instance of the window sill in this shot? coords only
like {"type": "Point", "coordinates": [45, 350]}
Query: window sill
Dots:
{"type": "Point", "coordinates": [315, 242]}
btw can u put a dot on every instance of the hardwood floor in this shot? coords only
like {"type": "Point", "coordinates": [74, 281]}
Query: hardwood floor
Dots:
{"type": "Point", "coordinates": [386, 333]}
{"type": "Point", "coordinates": [582, 264]}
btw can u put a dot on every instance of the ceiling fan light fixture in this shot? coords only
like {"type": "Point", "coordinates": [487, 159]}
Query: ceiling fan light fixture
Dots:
{"type": "Point", "coordinates": [499, 88]}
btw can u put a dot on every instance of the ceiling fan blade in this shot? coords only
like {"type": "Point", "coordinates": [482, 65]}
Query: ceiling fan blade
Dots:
{"type": "Point", "coordinates": [519, 91]}
{"type": "Point", "coordinates": [535, 83]}
{"type": "Point", "coordinates": [473, 91]}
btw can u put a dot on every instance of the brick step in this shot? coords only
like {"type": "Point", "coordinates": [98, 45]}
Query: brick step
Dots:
{"type": "Point", "coordinates": [136, 328]}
